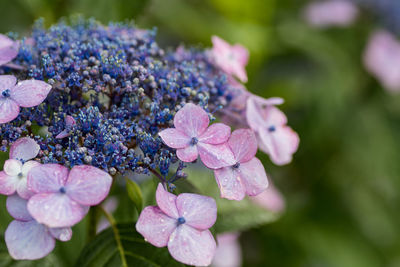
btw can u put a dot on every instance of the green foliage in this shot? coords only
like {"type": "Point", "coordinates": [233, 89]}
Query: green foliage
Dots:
{"type": "Point", "coordinates": [103, 250]}
{"type": "Point", "coordinates": [135, 194]}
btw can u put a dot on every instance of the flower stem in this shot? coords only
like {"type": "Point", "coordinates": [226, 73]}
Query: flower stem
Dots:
{"type": "Point", "coordinates": [114, 227]}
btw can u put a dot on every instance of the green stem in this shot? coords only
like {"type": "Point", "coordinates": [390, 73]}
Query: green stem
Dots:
{"type": "Point", "coordinates": [92, 224]}
{"type": "Point", "coordinates": [114, 227]}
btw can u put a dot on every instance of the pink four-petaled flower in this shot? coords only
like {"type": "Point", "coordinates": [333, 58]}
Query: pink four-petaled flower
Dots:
{"type": "Point", "coordinates": [231, 59]}
{"type": "Point", "coordinates": [275, 138]}
{"type": "Point", "coordinates": [192, 137]}
{"type": "Point", "coordinates": [181, 223]}
{"type": "Point", "coordinates": [26, 239]}
{"type": "Point", "coordinates": [61, 196]}
{"type": "Point", "coordinates": [8, 49]}
{"type": "Point", "coordinates": [247, 175]}
{"type": "Point", "coordinates": [14, 176]}
{"type": "Point", "coordinates": [28, 93]}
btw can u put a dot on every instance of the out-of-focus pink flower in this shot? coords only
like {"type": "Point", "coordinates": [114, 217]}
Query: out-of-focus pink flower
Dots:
{"type": "Point", "coordinates": [247, 174]}
{"type": "Point", "coordinates": [192, 137]}
{"type": "Point", "coordinates": [228, 252]}
{"type": "Point", "coordinates": [109, 205]}
{"type": "Point", "coordinates": [382, 59]}
{"type": "Point", "coordinates": [331, 13]}
{"type": "Point", "coordinates": [62, 197]}
{"type": "Point", "coordinates": [270, 199]}
{"type": "Point", "coordinates": [231, 59]}
{"type": "Point", "coordinates": [69, 123]}
{"type": "Point", "coordinates": [14, 176]}
{"type": "Point", "coordinates": [26, 239]}
{"type": "Point", "coordinates": [275, 138]}
{"type": "Point", "coordinates": [8, 49]}
{"type": "Point", "coordinates": [28, 93]}
{"type": "Point", "coordinates": [181, 223]}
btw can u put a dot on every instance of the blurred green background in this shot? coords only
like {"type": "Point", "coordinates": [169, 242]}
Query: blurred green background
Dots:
{"type": "Point", "coordinates": [342, 189]}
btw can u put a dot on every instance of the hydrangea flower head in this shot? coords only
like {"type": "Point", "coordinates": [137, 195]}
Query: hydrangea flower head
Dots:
{"type": "Point", "coordinates": [26, 239]}
{"type": "Point", "coordinates": [192, 137]}
{"type": "Point", "coordinates": [181, 223]}
{"type": "Point", "coordinates": [61, 196]}
{"type": "Point", "coordinates": [8, 49]}
{"type": "Point", "coordinates": [14, 176]}
{"type": "Point", "coordinates": [247, 175]}
{"type": "Point", "coordinates": [275, 138]}
{"type": "Point", "coordinates": [231, 59]}
{"type": "Point", "coordinates": [28, 93]}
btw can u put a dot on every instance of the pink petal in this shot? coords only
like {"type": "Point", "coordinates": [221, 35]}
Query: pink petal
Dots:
{"type": "Point", "coordinates": [24, 149]}
{"type": "Point", "coordinates": [228, 253]}
{"type": "Point", "coordinates": [191, 120]}
{"type": "Point", "coordinates": [243, 143]}
{"type": "Point", "coordinates": [199, 211]}
{"type": "Point", "coordinates": [63, 134]}
{"type": "Point", "coordinates": [166, 202]}
{"type": "Point", "coordinates": [7, 184]}
{"type": "Point", "coordinates": [30, 93]}
{"type": "Point", "coordinates": [5, 41]}
{"type": "Point", "coordinates": [280, 144]}
{"type": "Point", "coordinates": [28, 240]}
{"type": "Point", "coordinates": [7, 54]}
{"type": "Point", "coordinates": [270, 199]}
{"type": "Point", "coordinates": [9, 110]}
{"type": "Point", "coordinates": [22, 186]}
{"type": "Point", "coordinates": [191, 246]}
{"type": "Point", "coordinates": [217, 133]}
{"type": "Point", "coordinates": [16, 207]}
{"type": "Point", "coordinates": [272, 101]}
{"type": "Point", "coordinates": [253, 176]}
{"type": "Point", "coordinates": [62, 234]}
{"type": "Point", "coordinates": [258, 115]}
{"type": "Point", "coordinates": [155, 226]}
{"type": "Point", "coordinates": [12, 167]}
{"type": "Point", "coordinates": [230, 184]}
{"type": "Point", "coordinates": [219, 45]}
{"type": "Point", "coordinates": [7, 82]}
{"type": "Point", "coordinates": [216, 156]}
{"type": "Point", "coordinates": [69, 121]}
{"type": "Point", "coordinates": [174, 138]}
{"type": "Point", "coordinates": [55, 210]}
{"type": "Point", "coordinates": [47, 178]}
{"type": "Point", "coordinates": [187, 154]}
{"type": "Point", "coordinates": [88, 185]}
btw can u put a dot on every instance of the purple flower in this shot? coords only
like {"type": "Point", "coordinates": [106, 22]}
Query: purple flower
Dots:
{"type": "Point", "coordinates": [28, 93]}
{"type": "Point", "coordinates": [62, 197]}
{"type": "Point", "coordinates": [181, 223]}
{"type": "Point", "coordinates": [275, 138]}
{"type": "Point", "coordinates": [69, 123]}
{"type": "Point", "coordinates": [231, 59]}
{"type": "Point", "coordinates": [331, 13]}
{"type": "Point", "coordinates": [382, 57]}
{"type": "Point", "coordinates": [192, 137]}
{"type": "Point", "coordinates": [247, 174]}
{"type": "Point", "coordinates": [8, 49]}
{"type": "Point", "coordinates": [14, 176]}
{"type": "Point", "coordinates": [26, 239]}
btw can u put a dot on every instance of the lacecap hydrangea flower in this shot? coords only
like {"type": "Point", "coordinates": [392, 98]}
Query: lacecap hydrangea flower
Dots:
{"type": "Point", "coordinates": [94, 103]}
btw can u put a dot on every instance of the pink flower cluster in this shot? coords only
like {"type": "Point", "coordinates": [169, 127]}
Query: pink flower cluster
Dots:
{"type": "Point", "coordinates": [181, 222]}
{"type": "Point", "coordinates": [274, 137]}
{"type": "Point", "coordinates": [46, 199]}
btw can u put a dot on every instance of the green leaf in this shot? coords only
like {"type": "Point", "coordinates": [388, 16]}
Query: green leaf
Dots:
{"type": "Point", "coordinates": [103, 250]}
{"type": "Point", "coordinates": [135, 194]}
{"type": "Point", "coordinates": [232, 215]}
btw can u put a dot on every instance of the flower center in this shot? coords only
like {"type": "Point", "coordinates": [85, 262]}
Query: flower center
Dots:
{"type": "Point", "coordinates": [271, 129]}
{"type": "Point", "coordinates": [62, 190]}
{"type": "Point", "coordinates": [237, 164]}
{"type": "Point", "coordinates": [181, 220]}
{"type": "Point", "coordinates": [20, 175]}
{"type": "Point", "coordinates": [6, 93]}
{"type": "Point", "coordinates": [194, 141]}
